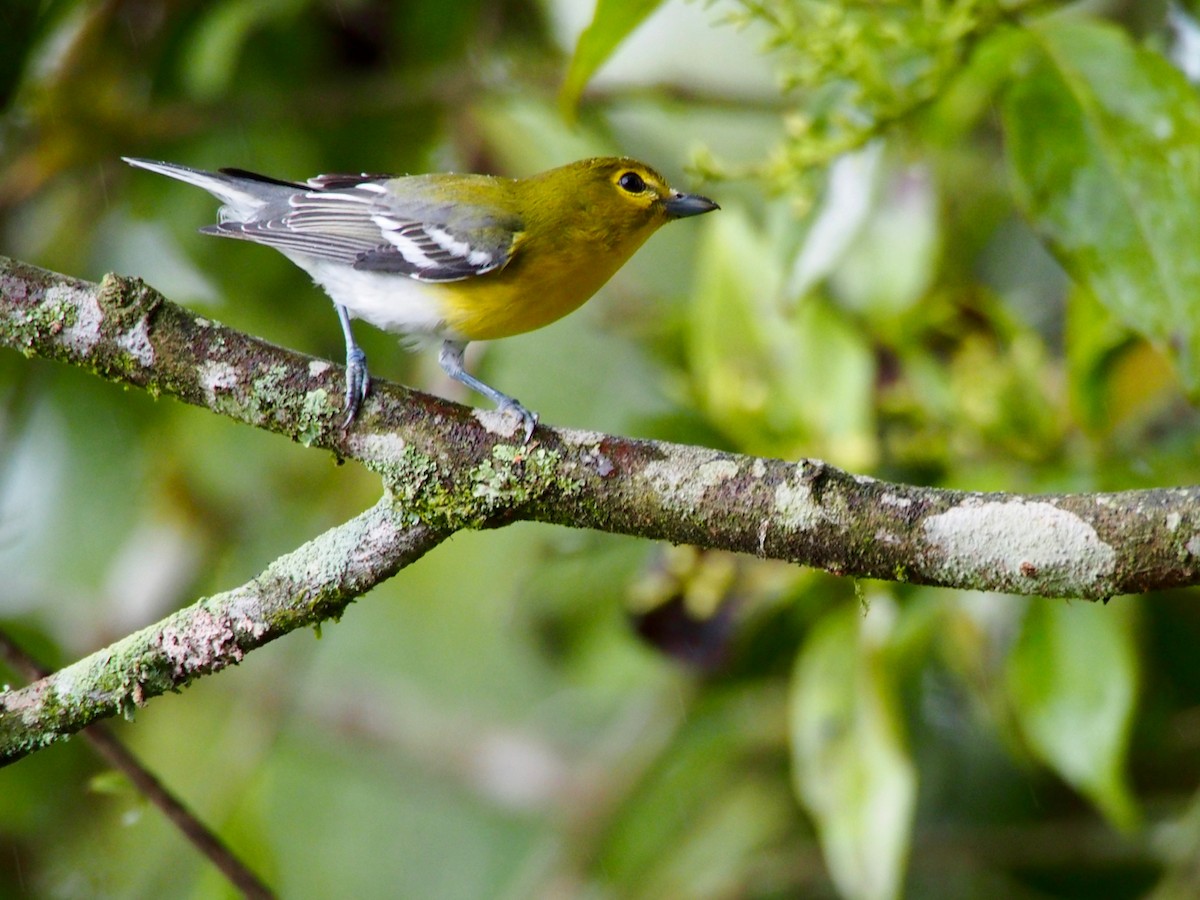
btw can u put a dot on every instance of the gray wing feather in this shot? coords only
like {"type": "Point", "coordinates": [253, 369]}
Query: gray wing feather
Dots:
{"type": "Point", "coordinates": [354, 220]}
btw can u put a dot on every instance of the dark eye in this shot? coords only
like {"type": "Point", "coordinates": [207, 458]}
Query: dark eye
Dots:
{"type": "Point", "coordinates": [632, 182]}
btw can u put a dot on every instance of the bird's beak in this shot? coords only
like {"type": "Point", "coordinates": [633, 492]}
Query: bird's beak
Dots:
{"type": "Point", "coordinates": [680, 205]}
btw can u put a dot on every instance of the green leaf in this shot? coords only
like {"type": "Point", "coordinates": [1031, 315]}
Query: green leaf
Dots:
{"type": "Point", "coordinates": [850, 763]}
{"type": "Point", "coordinates": [613, 21]}
{"type": "Point", "coordinates": [1115, 376]}
{"type": "Point", "coordinates": [1094, 340]}
{"type": "Point", "coordinates": [1073, 677]}
{"type": "Point", "coordinates": [1104, 142]}
{"type": "Point", "coordinates": [778, 379]}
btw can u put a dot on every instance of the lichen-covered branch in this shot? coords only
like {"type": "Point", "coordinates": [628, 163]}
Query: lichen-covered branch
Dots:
{"type": "Point", "coordinates": [447, 467]}
{"type": "Point", "coordinates": [313, 583]}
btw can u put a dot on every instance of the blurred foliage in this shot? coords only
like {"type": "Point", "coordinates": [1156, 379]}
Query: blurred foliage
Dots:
{"type": "Point", "coordinates": [852, 70]}
{"type": "Point", "coordinates": [956, 248]}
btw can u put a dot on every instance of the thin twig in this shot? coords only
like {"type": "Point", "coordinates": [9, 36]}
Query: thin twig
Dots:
{"type": "Point", "coordinates": [117, 755]}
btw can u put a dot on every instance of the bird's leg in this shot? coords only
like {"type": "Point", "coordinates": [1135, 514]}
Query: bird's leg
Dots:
{"type": "Point", "coordinates": [358, 380]}
{"type": "Point", "coordinates": [450, 358]}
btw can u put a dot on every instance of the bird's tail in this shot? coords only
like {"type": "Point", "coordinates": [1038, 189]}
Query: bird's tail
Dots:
{"type": "Point", "coordinates": [243, 194]}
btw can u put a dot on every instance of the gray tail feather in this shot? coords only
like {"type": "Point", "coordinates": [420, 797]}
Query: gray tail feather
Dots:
{"type": "Point", "coordinates": [243, 193]}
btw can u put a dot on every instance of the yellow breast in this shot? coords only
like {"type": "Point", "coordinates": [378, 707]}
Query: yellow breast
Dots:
{"type": "Point", "coordinates": [543, 282]}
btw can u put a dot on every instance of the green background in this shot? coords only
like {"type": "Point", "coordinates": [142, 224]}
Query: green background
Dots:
{"type": "Point", "coordinates": [957, 247]}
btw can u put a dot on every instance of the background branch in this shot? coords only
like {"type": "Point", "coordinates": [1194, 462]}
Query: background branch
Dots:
{"type": "Point", "coordinates": [121, 758]}
{"type": "Point", "coordinates": [301, 589]}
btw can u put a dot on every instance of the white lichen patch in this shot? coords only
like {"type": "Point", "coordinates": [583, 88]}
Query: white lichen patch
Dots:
{"type": "Point", "coordinates": [1193, 545]}
{"type": "Point", "coordinates": [318, 367]}
{"type": "Point", "coordinates": [682, 483]}
{"type": "Point", "coordinates": [136, 342]}
{"type": "Point", "coordinates": [205, 643]}
{"type": "Point", "coordinates": [500, 421]}
{"type": "Point", "coordinates": [712, 473]}
{"type": "Point", "coordinates": [596, 461]}
{"type": "Point", "coordinates": [759, 469]}
{"type": "Point", "coordinates": [217, 378]}
{"type": "Point", "coordinates": [893, 500]}
{"type": "Point", "coordinates": [585, 439]}
{"type": "Point", "coordinates": [385, 446]}
{"type": "Point", "coordinates": [795, 509]}
{"type": "Point", "coordinates": [1031, 547]}
{"type": "Point", "coordinates": [1173, 520]}
{"type": "Point", "coordinates": [84, 332]}
{"type": "Point", "coordinates": [247, 625]}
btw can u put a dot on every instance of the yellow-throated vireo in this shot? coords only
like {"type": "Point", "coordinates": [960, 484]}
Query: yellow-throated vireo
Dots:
{"type": "Point", "coordinates": [458, 257]}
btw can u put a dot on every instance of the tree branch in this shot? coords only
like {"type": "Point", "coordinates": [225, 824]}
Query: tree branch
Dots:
{"type": "Point", "coordinates": [446, 467]}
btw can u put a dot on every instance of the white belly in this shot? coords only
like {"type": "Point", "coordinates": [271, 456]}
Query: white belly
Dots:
{"type": "Point", "coordinates": [389, 301]}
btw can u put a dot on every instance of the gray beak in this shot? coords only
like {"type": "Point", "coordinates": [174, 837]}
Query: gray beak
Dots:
{"type": "Point", "coordinates": [681, 205]}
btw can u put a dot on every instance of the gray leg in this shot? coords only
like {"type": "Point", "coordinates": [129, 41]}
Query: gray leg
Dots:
{"type": "Point", "coordinates": [451, 360]}
{"type": "Point", "coordinates": [358, 381]}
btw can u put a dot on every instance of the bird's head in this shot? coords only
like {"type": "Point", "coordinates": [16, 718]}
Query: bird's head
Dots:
{"type": "Point", "coordinates": [617, 195]}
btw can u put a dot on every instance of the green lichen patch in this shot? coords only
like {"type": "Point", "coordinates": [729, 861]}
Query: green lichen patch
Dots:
{"type": "Point", "coordinates": [515, 475]}
{"type": "Point", "coordinates": [315, 414]}
{"type": "Point", "coordinates": [29, 328]}
{"type": "Point", "coordinates": [511, 476]}
{"type": "Point", "coordinates": [124, 301]}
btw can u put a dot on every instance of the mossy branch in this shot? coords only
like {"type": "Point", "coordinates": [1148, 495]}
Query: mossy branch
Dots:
{"type": "Point", "coordinates": [301, 589]}
{"type": "Point", "coordinates": [446, 467]}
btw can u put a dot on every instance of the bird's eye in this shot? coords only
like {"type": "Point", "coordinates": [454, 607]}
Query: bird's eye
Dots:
{"type": "Point", "coordinates": [632, 182]}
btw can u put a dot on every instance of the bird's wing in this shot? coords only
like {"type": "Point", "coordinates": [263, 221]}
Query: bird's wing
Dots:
{"type": "Point", "coordinates": [359, 220]}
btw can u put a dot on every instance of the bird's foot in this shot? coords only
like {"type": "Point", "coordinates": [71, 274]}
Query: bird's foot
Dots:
{"type": "Point", "coordinates": [528, 418]}
{"type": "Point", "coordinates": [451, 360]}
{"type": "Point", "coordinates": [358, 383]}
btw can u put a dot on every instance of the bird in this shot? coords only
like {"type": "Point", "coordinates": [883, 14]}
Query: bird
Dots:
{"type": "Point", "coordinates": [455, 257]}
